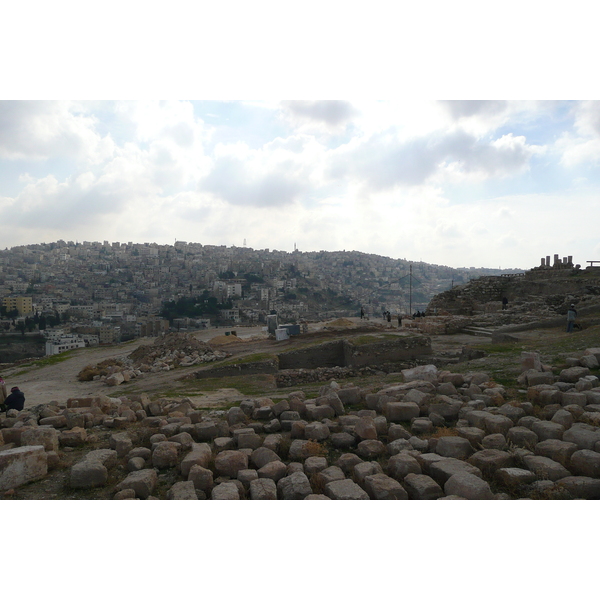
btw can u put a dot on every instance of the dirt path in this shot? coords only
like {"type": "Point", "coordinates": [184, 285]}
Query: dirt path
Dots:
{"type": "Point", "coordinates": [59, 381]}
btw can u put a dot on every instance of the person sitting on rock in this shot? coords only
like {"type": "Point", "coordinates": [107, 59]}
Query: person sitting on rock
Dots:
{"type": "Point", "coordinates": [16, 399]}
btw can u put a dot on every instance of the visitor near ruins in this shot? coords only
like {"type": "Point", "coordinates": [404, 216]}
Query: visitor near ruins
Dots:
{"type": "Point", "coordinates": [16, 399]}
{"type": "Point", "coordinates": [571, 316]}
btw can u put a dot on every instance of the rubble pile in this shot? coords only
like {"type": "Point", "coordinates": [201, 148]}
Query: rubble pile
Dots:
{"type": "Point", "coordinates": [436, 435]}
{"type": "Point", "coordinates": [167, 352]}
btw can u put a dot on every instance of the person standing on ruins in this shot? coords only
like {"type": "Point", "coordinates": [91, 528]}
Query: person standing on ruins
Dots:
{"type": "Point", "coordinates": [571, 316]}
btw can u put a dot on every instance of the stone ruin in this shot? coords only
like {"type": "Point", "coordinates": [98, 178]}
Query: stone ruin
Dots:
{"type": "Point", "coordinates": [168, 352]}
{"type": "Point", "coordinates": [435, 435]}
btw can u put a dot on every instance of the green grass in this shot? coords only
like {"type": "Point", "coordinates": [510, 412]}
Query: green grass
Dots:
{"type": "Point", "coordinates": [44, 362]}
{"type": "Point", "coordinates": [251, 358]}
{"type": "Point", "coordinates": [362, 340]}
{"type": "Point", "coordinates": [250, 385]}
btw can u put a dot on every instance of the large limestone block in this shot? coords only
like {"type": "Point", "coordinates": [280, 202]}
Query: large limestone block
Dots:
{"type": "Point", "coordinates": [182, 490]}
{"type": "Point", "coordinates": [400, 465]}
{"type": "Point", "coordinates": [314, 464]}
{"type": "Point", "coordinates": [489, 460]}
{"type": "Point", "coordinates": [294, 487]}
{"type": "Point", "coordinates": [513, 477]}
{"type": "Point", "coordinates": [346, 462]}
{"type": "Point", "coordinates": [581, 487]}
{"type": "Point", "coordinates": [73, 437]}
{"type": "Point", "coordinates": [468, 486]}
{"type": "Point", "coordinates": [586, 463]}
{"type": "Point", "coordinates": [349, 395]}
{"type": "Point", "coordinates": [22, 465]}
{"type": "Point", "coordinates": [370, 449]}
{"type": "Point", "coordinates": [573, 374]}
{"type": "Point", "coordinates": [316, 431]}
{"type": "Point", "coordinates": [274, 470]}
{"type": "Point", "coordinates": [446, 407]}
{"type": "Point", "coordinates": [166, 455]}
{"type": "Point", "coordinates": [141, 482]}
{"type": "Point", "coordinates": [557, 450]}
{"type": "Point", "coordinates": [40, 436]}
{"type": "Point", "coordinates": [121, 442]}
{"type": "Point", "coordinates": [227, 490]}
{"type": "Point", "coordinates": [547, 430]}
{"type": "Point", "coordinates": [201, 477]}
{"type": "Point", "coordinates": [332, 473]}
{"type": "Point", "coordinates": [229, 462]}
{"type": "Point", "coordinates": [382, 487]}
{"type": "Point", "coordinates": [88, 474]}
{"type": "Point", "coordinates": [199, 455]}
{"type": "Point", "coordinates": [401, 445]}
{"type": "Point", "coordinates": [104, 456]}
{"type": "Point", "coordinates": [585, 436]}
{"type": "Point", "coordinates": [364, 469]}
{"type": "Point", "coordinates": [442, 470]}
{"type": "Point", "coordinates": [545, 468]}
{"type": "Point", "coordinates": [421, 487]}
{"type": "Point", "coordinates": [401, 411]}
{"type": "Point", "coordinates": [422, 373]}
{"type": "Point", "coordinates": [345, 489]}
{"type": "Point", "coordinates": [497, 424]}
{"type": "Point", "coordinates": [263, 489]}
{"type": "Point", "coordinates": [454, 447]}
{"type": "Point", "coordinates": [261, 456]}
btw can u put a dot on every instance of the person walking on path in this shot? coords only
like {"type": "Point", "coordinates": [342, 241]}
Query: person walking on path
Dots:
{"type": "Point", "coordinates": [399, 320]}
{"type": "Point", "coordinates": [571, 316]}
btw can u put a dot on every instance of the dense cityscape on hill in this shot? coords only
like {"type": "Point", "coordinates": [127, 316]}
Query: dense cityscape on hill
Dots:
{"type": "Point", "coordinates": [118, 291]}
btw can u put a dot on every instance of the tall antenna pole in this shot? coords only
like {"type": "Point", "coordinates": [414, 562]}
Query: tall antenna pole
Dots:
{"type": "Point", "coordinates": [410, 292]}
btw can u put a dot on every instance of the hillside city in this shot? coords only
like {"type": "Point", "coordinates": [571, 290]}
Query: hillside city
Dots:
{"type": "Point", "coordinates": [87, 293]}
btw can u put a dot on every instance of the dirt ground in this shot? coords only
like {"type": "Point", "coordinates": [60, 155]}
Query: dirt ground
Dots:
{"type": "Point", "coordinates": [59, 381]}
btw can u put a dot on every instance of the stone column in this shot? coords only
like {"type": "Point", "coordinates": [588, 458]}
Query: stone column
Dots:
{"type": "Point", "coordinates": [547, 261]}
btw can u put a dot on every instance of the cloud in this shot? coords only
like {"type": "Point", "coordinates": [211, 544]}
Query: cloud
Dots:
{"type": "Point", "coordinates": [383, 161]}
{"type": "Point", "coordinates": [468, 108]}
{"type": "Point", "coordinates": [232, 180]}
{"type": "Point", "coordinates": [331, 113]}
{"type": "Point", "coordinates": [40, 130]}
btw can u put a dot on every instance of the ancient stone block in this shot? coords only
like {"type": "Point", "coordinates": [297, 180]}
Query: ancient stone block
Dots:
{"type": "Point", "coordinates": [263, 489]}
{"type": "Point", "coordinates": [442, 470]}
{"type": "Point", "coordinates": [165, 455]}
{"type": "Point", "coordinates": [225, 491]}
{"type": "Point", "coordinates": [581, 487]}
{"type": "Point", "coordinates": [400, 465]}
{"type": "Point", "coordinates": [545, 468]}
{"type": "Point", "coordinates": [513, 477]}
{"type": "Point", "coordinates": [22, 465]}
{"type": "Point", "coordinates": [468, 486]}
{"type": "Point", "coordinates": [382, 487]}
{"type": "Point", "coordinates": [586, 463]}
{"type": "Point", "coordinates": [345, 489]}
{"type": "Point", "coordinates": [40, 436]}
{"type": "Point", "coordinates": [201, 477]}
{"type": "Point", "coordinates": [454, 447]}
{"type": "Point", "coordinates": [421, 487]}
{"type": "Point", "coordinates": [142, 482]}
{"type": "Point", "coordinates": [370, 449]}
{"type": "Point", "coordinates": [274, 470]}
{"type": "Point", "coordinates": [294, 487]}
{"type": "Point", "coordinates": [182, 490]}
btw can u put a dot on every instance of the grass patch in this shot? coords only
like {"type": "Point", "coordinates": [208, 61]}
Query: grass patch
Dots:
{"type": "Point", "coordinates": [362, 340]}
{"type": "Point", "coordinates": [44, 362]}
{"type": "Point", "coordinates": [250, 358]}
{"type": "Point", "coordinates": [249, 385]}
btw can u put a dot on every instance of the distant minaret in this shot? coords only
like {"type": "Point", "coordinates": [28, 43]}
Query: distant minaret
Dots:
{"type": "Point", "coordinates": [294, 246]}
{"type": "Point", "coordinates": [244, 242]}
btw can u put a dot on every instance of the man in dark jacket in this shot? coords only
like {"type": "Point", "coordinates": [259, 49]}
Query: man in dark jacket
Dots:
{"type": "Point", "coordinates": [16, 399]}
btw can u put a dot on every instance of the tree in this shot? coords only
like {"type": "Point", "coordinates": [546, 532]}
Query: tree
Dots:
{"type": "Point", "coordinates": [21, 327]}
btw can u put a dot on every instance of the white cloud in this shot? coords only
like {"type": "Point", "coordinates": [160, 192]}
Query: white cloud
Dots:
{"type": "Point", "coordinates": [40, 130]}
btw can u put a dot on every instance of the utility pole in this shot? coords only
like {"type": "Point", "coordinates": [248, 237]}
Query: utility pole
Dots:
{"type": "Point", "coordinates": [410, 291]}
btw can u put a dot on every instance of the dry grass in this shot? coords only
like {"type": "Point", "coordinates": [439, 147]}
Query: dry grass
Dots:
{"type": "Point", "coordinates": [444, 432]}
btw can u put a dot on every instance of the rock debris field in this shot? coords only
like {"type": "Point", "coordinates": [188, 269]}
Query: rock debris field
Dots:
{"type": "Point", "coordinates": [435, 435]}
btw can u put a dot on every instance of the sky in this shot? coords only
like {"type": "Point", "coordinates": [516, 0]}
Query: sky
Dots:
{"type": "Point", "coordinates": [444, 133]}
{"type": "Point", "coordinates": [460, 183]}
